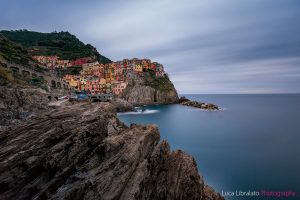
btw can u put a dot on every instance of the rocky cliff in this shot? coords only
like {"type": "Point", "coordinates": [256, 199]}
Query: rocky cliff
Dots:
{"type": "Point", "coordinates": [18, 103]}
{"type": "Point", "coordinates": [156, 91]}
{"type": "Point", "coordinates": [83, 151]}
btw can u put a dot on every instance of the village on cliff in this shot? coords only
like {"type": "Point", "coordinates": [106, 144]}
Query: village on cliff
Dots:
{"type": "Point", "coordinates": [96, 78]}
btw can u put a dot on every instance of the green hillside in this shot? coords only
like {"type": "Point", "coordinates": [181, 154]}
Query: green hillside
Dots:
{"type": "Point", "coordinates": [62, 44]}
{"type": "Point", "coordinates": [12, 52]}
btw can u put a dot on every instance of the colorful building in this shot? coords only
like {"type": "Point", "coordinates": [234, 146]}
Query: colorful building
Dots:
{"type": "Point", "coordinates": [106, 78]}
{"type": "Point", "coordinates": [119, 87]}
{"type": "Point", "coordinates": [138, 68]}
{"type": "Point", "coordinates": [73, 81]}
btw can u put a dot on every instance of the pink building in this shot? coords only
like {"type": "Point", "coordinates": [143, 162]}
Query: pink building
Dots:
{"type": "Point", "coordinates": [119, 87]}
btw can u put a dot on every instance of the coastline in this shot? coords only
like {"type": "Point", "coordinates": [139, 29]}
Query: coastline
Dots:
{"type": "Point", "coordinates": [115, 145]}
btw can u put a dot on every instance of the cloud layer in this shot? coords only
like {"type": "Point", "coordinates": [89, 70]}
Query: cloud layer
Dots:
{"type": "Point", "coordinates": [207, 46]}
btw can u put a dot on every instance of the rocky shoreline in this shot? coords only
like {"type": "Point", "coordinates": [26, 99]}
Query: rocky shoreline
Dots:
{"type": "Point", "coordinates": [83, 151]}
{"type": "Point", "coordinates": [124, 106]}
{"type": "Point", "coordinates": [63, 150]}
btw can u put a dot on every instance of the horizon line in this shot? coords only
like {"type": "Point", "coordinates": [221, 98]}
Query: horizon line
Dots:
{"type": "Point", "coordinates": [236, 93]}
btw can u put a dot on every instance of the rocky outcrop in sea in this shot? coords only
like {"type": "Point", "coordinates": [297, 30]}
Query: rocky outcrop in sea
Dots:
{"type": "Point", "coordinates": [83, 151]}
{"type": "Point", "coordinates": [206, 106]}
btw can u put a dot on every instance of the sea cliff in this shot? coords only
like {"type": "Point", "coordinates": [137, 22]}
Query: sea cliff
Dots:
{"type": "Point", "coordinates": [145, 93]}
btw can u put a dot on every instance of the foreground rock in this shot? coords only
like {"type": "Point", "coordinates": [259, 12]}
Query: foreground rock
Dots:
{"type": "Point", "coordinates": [207, 106]}
{"type": "Point", "coordinates": [85, 152]}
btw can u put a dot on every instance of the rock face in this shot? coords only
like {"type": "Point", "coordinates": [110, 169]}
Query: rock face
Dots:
{"type": "Point", "coordinates": [166, 96]}
{"type": "Point", "coordinates": [141, 94]}
{"type": "Point", "coordinates": [206, 106]}
{"type": "Point", "coordinates": [18, 103]}
{"type": "Point", "coordinates": [84, 152]}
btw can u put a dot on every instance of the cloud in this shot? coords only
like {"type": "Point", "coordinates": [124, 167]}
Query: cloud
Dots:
{"type": "Point", "coordinates": [277, 75]}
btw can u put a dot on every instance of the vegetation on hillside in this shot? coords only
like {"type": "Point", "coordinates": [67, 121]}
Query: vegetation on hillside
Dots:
{"type": "Point", "coordinates": [13, 52]}
{"type": "Point", "coordinates": [159, 83]}
{"type": "Point", "coordinates": [7, 76]}
{"type": "Point", "coordinates": [62, 44]}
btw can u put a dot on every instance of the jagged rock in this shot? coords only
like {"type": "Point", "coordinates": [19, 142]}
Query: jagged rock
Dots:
{"type": "Point", "coordinates": [122, 105]}
{"type": "Point", "coordinates": [18, 103]}
{"type": "Point", "coordinates": [83, 151]}
{"type": "Point", "coordinates": [210, 194]}
{"type": "Point", "coordinates": [207, 106]}
{"type": "Point", "coordinates": [183, 99]}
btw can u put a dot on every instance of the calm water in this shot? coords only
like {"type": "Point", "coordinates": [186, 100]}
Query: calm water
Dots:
{"type": "Point", "coordinates": [253, 144]}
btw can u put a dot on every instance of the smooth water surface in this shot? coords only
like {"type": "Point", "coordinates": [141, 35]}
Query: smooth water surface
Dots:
{"type": "Point", "coordinates": [252, 144]}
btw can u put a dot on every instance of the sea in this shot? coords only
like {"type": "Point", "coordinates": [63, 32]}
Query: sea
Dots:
{"type": "Point", "coordinates": [250, 149]}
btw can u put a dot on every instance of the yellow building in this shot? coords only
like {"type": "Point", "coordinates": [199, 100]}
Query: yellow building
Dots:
{"type": "Point", "coordinates": [138, 68]}
{"type": "Point", "coordinates": [112, 71]}
{"type": "Point", "coordinates": [74, 82]}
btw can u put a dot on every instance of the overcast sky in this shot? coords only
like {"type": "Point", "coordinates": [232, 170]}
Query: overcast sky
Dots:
{"type": "Point", "coordinates": [206, 46]}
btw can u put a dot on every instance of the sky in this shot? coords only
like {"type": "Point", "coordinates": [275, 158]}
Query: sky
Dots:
{"type": "Point", "coordinates": [206, 46]}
